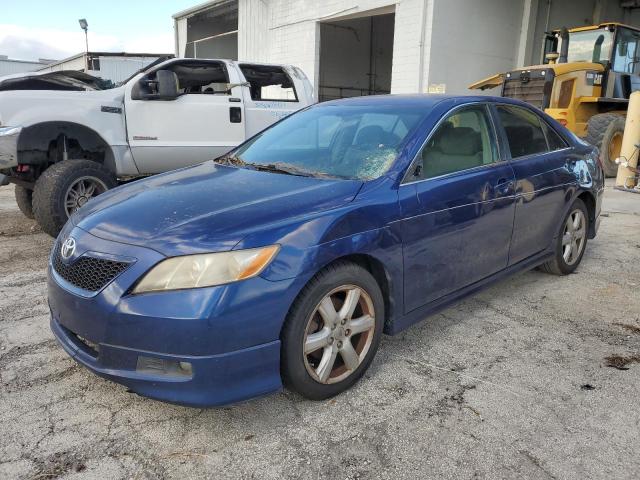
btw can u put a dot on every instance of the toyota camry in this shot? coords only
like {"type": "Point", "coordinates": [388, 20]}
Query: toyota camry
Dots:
{"type": "Point", "coordinates": [284, 261]}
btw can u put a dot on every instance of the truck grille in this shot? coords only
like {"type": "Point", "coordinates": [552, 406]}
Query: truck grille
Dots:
{"type": "Point", "coordinates": [88, 273]}
{"type": "Point", "coordinates": [531, 86]}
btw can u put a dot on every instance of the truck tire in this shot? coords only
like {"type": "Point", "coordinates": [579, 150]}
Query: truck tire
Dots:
{"type": "Point", "coordinates": [64, 187]}
{"type": "Point", "coordinates": [24, 198]}
{"type": "Point", "coordinates": [605, 131]}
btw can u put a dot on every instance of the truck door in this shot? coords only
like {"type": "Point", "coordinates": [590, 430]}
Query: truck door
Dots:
{"type": "Point", "coordinates": [272, 93]}
{"type": "Point", "coordinates": [205, 121]}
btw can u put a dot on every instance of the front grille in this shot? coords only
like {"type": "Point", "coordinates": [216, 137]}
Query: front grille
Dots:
{"type": "Point", "coordinates": [88, 273]}
{"type": "Point", "coordinates": [532, 87]}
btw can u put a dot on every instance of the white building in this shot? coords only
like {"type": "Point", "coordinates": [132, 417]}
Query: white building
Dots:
{"type": "Point", "coordinates": [9, 66]}
{"type": "Point", "coordinates": [354, 47]}
{"type": "Point", "coordinates": [106, 65]}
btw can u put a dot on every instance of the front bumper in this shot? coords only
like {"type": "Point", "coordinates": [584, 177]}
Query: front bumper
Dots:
{"type": "Point", "coordinates": [228, 335]}
{"type": "Point", "coordinates": [9, 146]}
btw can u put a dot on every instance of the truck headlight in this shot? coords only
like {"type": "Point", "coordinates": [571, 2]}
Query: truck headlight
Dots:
{"type": "Point", "coordinates": [206, 270]}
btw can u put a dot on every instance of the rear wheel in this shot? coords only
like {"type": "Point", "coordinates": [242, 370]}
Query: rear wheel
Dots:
{"type": "Point", "coordinates": [24, 199]}
{"type": "Point", "coordinates": [332, 331]}
{"type": "Point", "coordinates": [571, 242]}
{"type": "Point", "coordinates": [605, 131]}
{"type": "Point", "coordinates": [65, 187]}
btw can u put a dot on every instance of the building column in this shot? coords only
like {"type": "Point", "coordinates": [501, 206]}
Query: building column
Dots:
{"type": "Point", "coordinates": [527, 32]}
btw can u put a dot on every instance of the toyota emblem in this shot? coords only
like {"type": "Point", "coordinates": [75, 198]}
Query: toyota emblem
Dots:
{"type": "Point", "coordinates": [68, 248]}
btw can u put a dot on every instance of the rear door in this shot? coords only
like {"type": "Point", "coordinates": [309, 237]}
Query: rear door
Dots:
{"type": "Point", "coordinates": [542, 162]}
{"type": "Point", "coordinates": [272, 93]}
{"type": "Point", "coordinates": [204, 122]}
{"type": "Point", "coordinates": [458, 210]}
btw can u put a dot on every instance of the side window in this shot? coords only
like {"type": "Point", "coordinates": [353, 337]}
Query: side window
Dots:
{"type": "Point", "coordinates": [523, 129]}
{"type": "Point", "coordinates": [202, 78]}
{"type": "Point", "coordinates": [554, 140]}
{"type": "Point", "coordinates": [464, 140]}
{"type": "Point", "coordinates": [269, 83]}
{"type": "Point", "coordinates": [626, 57]}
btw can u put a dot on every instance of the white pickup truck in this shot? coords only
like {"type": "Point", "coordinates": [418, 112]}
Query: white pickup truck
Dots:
{"type": "Point", "coordinates": [62, 140]}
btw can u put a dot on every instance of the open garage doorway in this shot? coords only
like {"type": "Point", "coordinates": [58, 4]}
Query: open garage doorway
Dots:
{"type": "Point", "coordinates": [356, 57]}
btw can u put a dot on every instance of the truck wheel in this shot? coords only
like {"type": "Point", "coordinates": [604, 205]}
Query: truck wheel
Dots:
{"type": "Point", "coordinates": [605, 131]}
{"type": "Point", "coordinates": [66, 186]}
{"type": "Point", "coordinates": [24, 197]}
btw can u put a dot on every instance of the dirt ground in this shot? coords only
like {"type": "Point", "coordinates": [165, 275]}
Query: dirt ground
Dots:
{"type": "Point", "coordinates": [513, 382]}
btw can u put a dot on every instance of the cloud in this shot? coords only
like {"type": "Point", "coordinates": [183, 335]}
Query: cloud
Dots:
{"type": "Point", "coordinates": [32, 43]}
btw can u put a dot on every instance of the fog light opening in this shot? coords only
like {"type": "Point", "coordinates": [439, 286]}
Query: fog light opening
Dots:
{"type": "Point", "coordinates": [163, 367]}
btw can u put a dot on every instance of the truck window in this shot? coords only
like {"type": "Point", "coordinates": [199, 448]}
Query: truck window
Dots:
{"type": "Point", "coordinates": [268, 82]}
{"type": "Point", "coordinates": [207, 78]}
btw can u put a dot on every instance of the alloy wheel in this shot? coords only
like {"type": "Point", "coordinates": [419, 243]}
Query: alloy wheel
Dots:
{"type": "Point", "coordinates": [80, 191]}
{"type": "Point", "coordinates": [338, 334]}
{"type": "Point", "coordinates": [573, 237]}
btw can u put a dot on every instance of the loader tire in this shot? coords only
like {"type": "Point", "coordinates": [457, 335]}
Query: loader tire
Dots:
{"type": "Point", "coordinates": [605, 131]}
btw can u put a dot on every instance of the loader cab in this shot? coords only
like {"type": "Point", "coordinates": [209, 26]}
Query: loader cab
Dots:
{"type": "Point", "coordinates": [615, 46]}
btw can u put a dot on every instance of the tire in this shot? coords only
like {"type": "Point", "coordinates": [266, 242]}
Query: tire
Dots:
{"type": "Point", "coordinates": [605, 131]}
{"type": "Point", "coordinates": [560, 265]}
{"type": "Point", "coordinates": [301, 372]}
{"type": "Point", "coordinates": [54, 187]}
{"type": "Point", "coordinates": [24, 199]}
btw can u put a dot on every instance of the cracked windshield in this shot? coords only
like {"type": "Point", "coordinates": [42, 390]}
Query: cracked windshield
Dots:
{"type": "Point", "coordinates": [351, 142]}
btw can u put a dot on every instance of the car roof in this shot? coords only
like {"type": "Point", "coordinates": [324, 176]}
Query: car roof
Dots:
{"type": "Point", "coordinates": [422, 100]}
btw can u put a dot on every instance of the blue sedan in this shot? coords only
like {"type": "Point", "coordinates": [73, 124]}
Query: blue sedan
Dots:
{"type": "Point", "coordinates": [284, 261]}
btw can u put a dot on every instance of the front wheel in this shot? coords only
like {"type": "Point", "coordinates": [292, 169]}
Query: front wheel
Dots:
{"type": "Point", "coordinates": [571, 242]}
{"type": "Point", "coordinates": [332, 331]}
{"type": "Point", "coordinates": [66, 186]}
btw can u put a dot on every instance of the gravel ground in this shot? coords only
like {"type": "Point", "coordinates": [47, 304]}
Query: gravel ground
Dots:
{"type": "Point", "coordinates": [513, 382]}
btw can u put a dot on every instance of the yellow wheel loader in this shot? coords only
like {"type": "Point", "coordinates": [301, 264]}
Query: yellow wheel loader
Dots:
{"type": "Point", "coordinates": [585, 87]}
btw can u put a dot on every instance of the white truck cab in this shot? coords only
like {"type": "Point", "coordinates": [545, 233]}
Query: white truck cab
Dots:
{"type": "Point", "coordinates": [62, 142]}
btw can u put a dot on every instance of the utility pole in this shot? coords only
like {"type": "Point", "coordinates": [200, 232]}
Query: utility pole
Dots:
{"type": "Point", "coordinates": [85, 26]}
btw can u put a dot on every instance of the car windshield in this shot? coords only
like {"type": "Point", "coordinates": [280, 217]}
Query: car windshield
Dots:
{"type": "Point", "coordinates": [590, 46]}
{"type": "Point", "coordinates": [339, 141]}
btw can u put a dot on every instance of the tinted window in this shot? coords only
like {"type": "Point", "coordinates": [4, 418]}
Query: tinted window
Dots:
{"type": "Point", "coordinates": [356, 142]}
{"type": "Point", "coordinates": [554, 140]}
{"type": "Point", "coordinates": [523, 129]}
{"type": "Point", "coordinates": [464, 140]}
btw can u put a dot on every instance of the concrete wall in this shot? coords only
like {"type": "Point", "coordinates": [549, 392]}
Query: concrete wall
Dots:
{"type": "Point", "coordinates": [472, 40]}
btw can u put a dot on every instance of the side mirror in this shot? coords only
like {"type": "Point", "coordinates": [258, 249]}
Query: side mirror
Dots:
{"type": "Point", "coordinates": [163, 87]}
{"type": "Point", "coordinates": [167, 85]}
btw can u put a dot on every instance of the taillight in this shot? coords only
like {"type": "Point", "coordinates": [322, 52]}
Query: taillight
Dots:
{"type": "Point", "coordinates": [563, 122]}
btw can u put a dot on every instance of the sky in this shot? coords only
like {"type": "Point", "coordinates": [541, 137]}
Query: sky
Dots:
{"type": "Point", "coordinates": [32, 29]}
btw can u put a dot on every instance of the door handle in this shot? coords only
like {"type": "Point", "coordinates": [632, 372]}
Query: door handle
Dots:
{"type": "Point", "coordinates": [503, 187]}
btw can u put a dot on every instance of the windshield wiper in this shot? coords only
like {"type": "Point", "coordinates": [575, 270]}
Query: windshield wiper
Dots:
{"type": "Point", "coordinates": [230, 160]}
{"type": "Point", "coordinates": [288, 169]}
{"type": "Point", "coordinates": [278, 167]}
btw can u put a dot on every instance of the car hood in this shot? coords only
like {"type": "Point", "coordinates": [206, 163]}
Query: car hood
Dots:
{"type": "Point", "coordinates": [209, 207]}
{"type": "Point", "coordinates": [60, 80]}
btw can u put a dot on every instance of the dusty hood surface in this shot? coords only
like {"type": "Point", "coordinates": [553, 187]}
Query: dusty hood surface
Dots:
{"type": "Point", "coordinates": [208, 207]}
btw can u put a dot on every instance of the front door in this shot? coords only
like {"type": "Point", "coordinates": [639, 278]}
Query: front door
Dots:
{"type": "Point", "coordinates": [457, 208]}
{"type": "Point", "coordinates": [204, 122]}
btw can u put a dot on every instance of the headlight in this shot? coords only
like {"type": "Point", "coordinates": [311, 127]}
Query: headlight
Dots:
{"type": "Point", "coordinates": [206, 270]}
